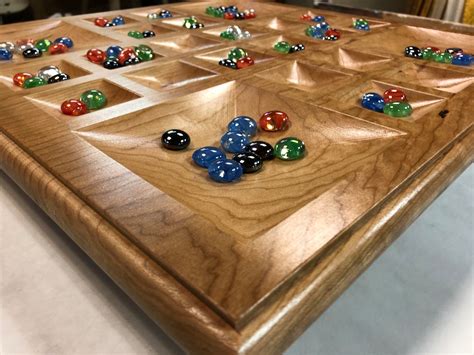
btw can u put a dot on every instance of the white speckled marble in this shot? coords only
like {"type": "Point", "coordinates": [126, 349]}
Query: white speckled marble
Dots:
{"type": "Point", "coordinates": [416, 298]}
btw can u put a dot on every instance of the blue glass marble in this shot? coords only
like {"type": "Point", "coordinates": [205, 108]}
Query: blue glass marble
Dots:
{"type": "Point", "coordinates": [319, 18]}
{"type": "Point", "coordinates": [226, 170]}
{"type": "Point", "coordinates": [324, 26]}
{"type": "Point", "coordinates": [373, 101]}
{"type": "Point", "coordinates": [165, 14]}
{"type": "Point", "coordinates": [113, 51]}
{"type": "Point", "coordinates": [243, 124]}
{"type": "Point", "coordinates": [234, 142]}
{"type": "Point", "coordinates": [5, 54]}
{"type": "Point", "coordinates": [462, 59]}
{"type": "Point", "coordinates": [315, 32]}
{"type": "Point", "coordinates": [118, 20]}
{"type": "Point", "coordinates": [206, 155]}
{"type": "Point", "coordinates": [231, 8]}
{"type": "Point", "coordinates": [65, 40]}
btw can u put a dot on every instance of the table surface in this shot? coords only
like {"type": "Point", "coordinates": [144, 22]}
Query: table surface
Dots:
{"type": "Point", "coordinates": [416, 298]}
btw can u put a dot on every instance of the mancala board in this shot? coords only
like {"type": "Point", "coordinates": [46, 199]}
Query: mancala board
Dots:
{"type": "Point", "coordinates": [243, 267]}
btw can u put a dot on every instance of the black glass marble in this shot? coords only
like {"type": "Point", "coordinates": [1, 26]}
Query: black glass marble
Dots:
{"type": "Point", "coordinates": [110, 24]}
{"type": "Point", "coordinates": [443, 113]}
{"type": "Point", "coordinates": [250, 162]}
{"type": "Point", "coordinates": [413, 52]}
{"type": "Point", "coordinates": [263, 149]}
{"type": "Point", "coordinates": [297, 47]}
{"type": "Point", "coordinates": [239, 16]}
{"type": "Point", "coordinates": [58, 77]}
{"type": "Point", "coordinates": [148, 33]}
{"type": "Point", "coordinates": [453, 51]}
{"type": "Point", "coordinates": [111, 64]}
{"type": "Point", "coordinates": [32, 53]}
{"type": "Point", "coordinates": [131, 61]}
{"type": "Point", "coordinates": [195, 26]}
{"type": "Point", "coordinates": [175, 139]}
{"type": "Point", "coordinates": [228, 63]}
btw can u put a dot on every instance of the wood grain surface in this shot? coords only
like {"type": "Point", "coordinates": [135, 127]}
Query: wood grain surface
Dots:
{"type": "Point", "coordinates": [245, 267]}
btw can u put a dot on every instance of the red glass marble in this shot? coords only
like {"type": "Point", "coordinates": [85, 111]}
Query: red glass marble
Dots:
{"type": "Point", "coordinates": [19, 78]}
{"type": "Point", "coordinates": [433, 49]}
{"type": "Point", "coordinates": [126, 54]}
{"type": "Point", "coordinates": [96, 55]}
{"type": "Point", "coordinates": [244, 62]}
{"type": "Point", "coordinates": [250, 14]}
{"type": "Point", "coordinates": [58, 48]}
{"type": "Point", "coordinates": [394, 95]}
{"type": "Point", "coordinates": [306, 17]}
{"type": "Point", "coordinates": [101, 21]}
{"type": "Point", "coordinates": [228, 15]}
{"type": "Point", "coordinates": [73, 107]}
{"type": "Point", "coordinates": [273, 121]}
{"type": "Point", "coordinates": [332, 32]}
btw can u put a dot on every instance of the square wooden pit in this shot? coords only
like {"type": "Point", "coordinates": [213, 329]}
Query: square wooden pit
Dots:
{"type": "Point", "coordinates": [243, 267]}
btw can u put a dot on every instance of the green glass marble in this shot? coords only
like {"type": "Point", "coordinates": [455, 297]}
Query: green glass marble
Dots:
{"type": "Point", "coordinates": [94, 99]}
{"type": "Point", "coordinates": [228, 35]}
{"type": "Point", "coordinates": [190, 21]}
{"type": "Point", "coordinates": [360, 23]}
{"type": "Point", "coordinates": [43, 44]}
{"type": "Point", "coordinates": [442, 58]}
{"type": "Point", "coordinates": [144, 54]}
{"type": "Point", "coordinates": [236, 53]}
{"type": "Point", "coordinates": [214, 11]}
{"type": "Point", "coordinates": [282, 47]}
{"type": "Point", "coordinates": [135, 34]}
{"type": "Point", "coordinates": [34, 82]}
{"type": "Point", "coordinates": [144, 48]}
{"type": "Point", "coordinates": [398, 109]}
{"type": "Point", "coordinates": [290, 148]}
{"type": "Point", "coordinates": [427, 53]}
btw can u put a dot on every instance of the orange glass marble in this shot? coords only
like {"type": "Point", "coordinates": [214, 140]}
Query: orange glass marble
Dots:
{"type": "Point", "coordinates": [274, 121]}
{"type": "Point", "coordinates": [19, 78]}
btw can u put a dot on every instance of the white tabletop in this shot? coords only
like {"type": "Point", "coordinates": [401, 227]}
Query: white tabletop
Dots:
{"type": "Point", "coordinates": [416, 298]}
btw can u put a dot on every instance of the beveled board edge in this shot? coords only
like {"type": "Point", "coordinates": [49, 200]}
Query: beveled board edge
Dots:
{"type": "Point", "coordinates": [184, 317]}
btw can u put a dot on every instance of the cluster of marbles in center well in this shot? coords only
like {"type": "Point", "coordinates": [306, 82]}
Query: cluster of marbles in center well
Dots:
{"type": "Point", "coordinates": [104, 22]}
{"type": "Point", "coordinates": [116, 56]}
{"type": "Point", "coordinates": [89, 100]}
{"type": "Point", "coordinates": [285, 47]}
{"type": "Point", "coordinates": [454, 56]}
{"type": "Point", "coordinates": [141, 34]}
{"type": "Point", "coordinates": [30, 48]}
{"type": "Point", "coordinates": [192, 23]}
{"type": "Point", "coordinates": [394, 102]}
{"type": "Point", "coordinates": [322, 30]}
{"type": "Point", "coordinates": [230, 12]}
{"type": "Point", "coordinates": [46, 75]}
{"type": "Point", "coordinates": [361, 24]}
{"type": "Point", "coordinates": [234, 33]}
{"type": "Point", "coordinates": [159, 15]}
{"type": "Point", "coordinates": [237, 58]}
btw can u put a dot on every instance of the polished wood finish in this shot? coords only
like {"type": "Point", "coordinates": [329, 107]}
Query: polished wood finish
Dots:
{"type": "Point", "coordinates": [245, 267]}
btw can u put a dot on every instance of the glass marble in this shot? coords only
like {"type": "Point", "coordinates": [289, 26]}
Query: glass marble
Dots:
{"type": "Point", "coordinates": [234, 142]}
{"type": "Point", "coordinates": [263, 149]}
{"type": "Point", "coordinates": [237, 53]}
{"type": "Point", "coordinates": [175, 139]}
{"type": "Point", "coordinates": [58, 48]}
{"type": "Point", "coordinates": [192, 23]}
{"type": "Point", "coordinates": [73, 108]}
{"type": "Point", "coordinates": [297, 47]}
{"type": "Point", "coordinates": [67, 41]}
{"type": "Point", "coordinates": [94, 99]}
{"type": "Point", "coordinates": [144, 53]}
{"type": "Point", "coordinates": [96, 55]}
{"type": "Point", "coordinates": [319, 18]}
{"type": "Point", "coordinates": [454, 51]}
{"type": "Point", "coordinates": [8, 45]}
{"type": "Point", "coordinates": [443, 57]}
{"type": "Point", "coordinates": [110, 24]}
{"type": "Point", "coordinates": [32, 53]}
{"type": "Point", "coordinates": [206, 155]}
{"type": "Point", "coordinates": [228, 63]}
{"type": "Point", "coordinates": [111, 63]}
{"type": "Point", "coordinates": [315, 32]}
{"type": "Point", "coordinates": [5, 54]}
{"type": "Point", "coordinates": [413, 52]}
{"type": "Point", "coordinates": [225, 170]}
{"type": "Point", "coordinates": [131, 61]}
{"type": "Point", "coordinates": [332, 35]}
{"type": "Point", "coordinates": [118, 20]}
{"type": "Point", "coordinates": [398, 109]}
{"type": "Point", "coordinates": [148, 34]}
{"type": "Point", "coordinates": [113, 51]}
{"type": "Point", "coordinates": [153, 16]}
{"type": "Point", "coordinates": [43, 44]}
{"type": "Point", "coordinates": [135, 34]}
{"type": "Point", "coordinates": [126, 55]}
{"type": "Point", "coordinates": [273, 121]}
{"type": "Point", "coordinates": [250, 162]}
{"type": "Point", "coordinates": [33, 82]}
{"type": "Point", "coordinates": [361, 24]}
{"type": "Point", "coordinates": [428, 52]}
{"type": "Point", "coordinates": [48, 71]}
{"type": "Point", "coordinates": [373, 101]}
{"type": "Point", "coordinates": [19, 78]}
{"type": "Point", "coordinates": [462, 59]}
{"type": "Point", "coordinates": [228, 35]}
{"type": "Point", "coordinates": [282, 47]}
{"type": "Point", "coordinates": [101, 21]}
{"type": "Point", "coordinates": [393, 95]}
{"type": "Point", "coordinates": [306, 17]}
{"type": "Point", "coordinates": [22, 47]}
{"type": "Point", "coordinates": [165, 14]}
{"type": "Point", "coordinates": [58, 78]}
{"type": "Point", "coordinates": [243, 124]}
{"type": "Point", "coordinates": [290, 148]}
{"type": "Point", "coordinates": [245, 62]}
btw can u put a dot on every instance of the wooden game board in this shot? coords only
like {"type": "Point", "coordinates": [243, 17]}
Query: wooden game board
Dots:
{"type": "Point", "coordinates": [244, 267]}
